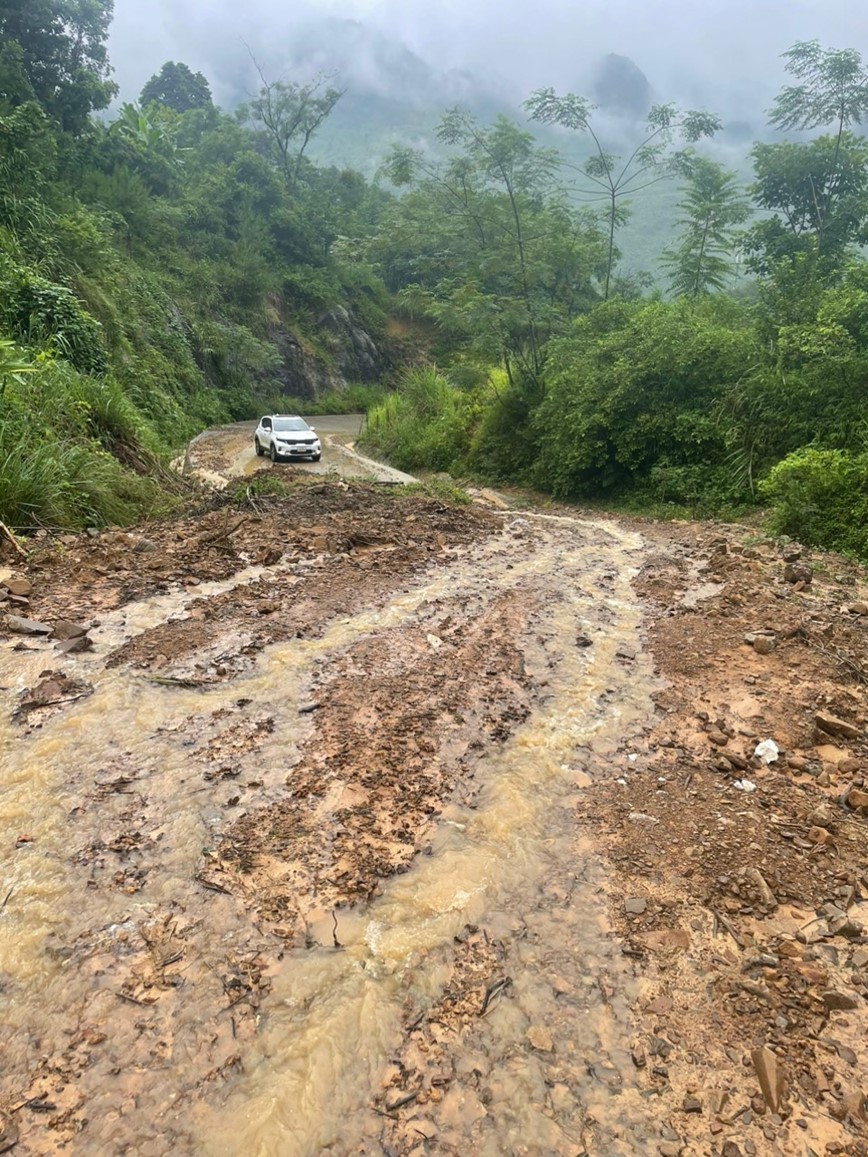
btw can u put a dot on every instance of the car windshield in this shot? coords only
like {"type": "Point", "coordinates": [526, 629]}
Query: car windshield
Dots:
{"type": "Point", "coordinates": [283, 424]}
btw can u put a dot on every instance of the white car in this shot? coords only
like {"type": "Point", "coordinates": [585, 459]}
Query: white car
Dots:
{"type": "Point", "coordinates": [286, 436]}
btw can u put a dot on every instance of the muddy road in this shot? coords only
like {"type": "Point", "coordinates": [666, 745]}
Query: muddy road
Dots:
{"type": "Point", "coordinates": [227, 452]}
{"type": "Point", "coordinates": [348, 821]}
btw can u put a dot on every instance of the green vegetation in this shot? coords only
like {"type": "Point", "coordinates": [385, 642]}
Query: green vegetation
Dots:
{"type": "Point", "coordinates": [729, 392]}
{"type": "Point", "coordinates": [170, 269]}
{"type": "Point", "coordinates": [175, 266]}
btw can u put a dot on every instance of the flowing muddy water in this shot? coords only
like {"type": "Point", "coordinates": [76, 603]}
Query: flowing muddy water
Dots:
{"type": "Point", "coordinates": [120, 975]}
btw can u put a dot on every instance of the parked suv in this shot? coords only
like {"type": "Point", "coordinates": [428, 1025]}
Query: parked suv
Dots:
{"type": "Point", "coordinates": [286, 436]}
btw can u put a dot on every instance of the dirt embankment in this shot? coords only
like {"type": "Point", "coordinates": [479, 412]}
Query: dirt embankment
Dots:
{"type": "Point", "coordinates": [250, 722]}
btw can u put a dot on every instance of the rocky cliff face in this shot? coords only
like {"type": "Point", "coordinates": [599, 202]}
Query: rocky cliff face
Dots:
{"type": "Point", "coordinates": [350, 355]}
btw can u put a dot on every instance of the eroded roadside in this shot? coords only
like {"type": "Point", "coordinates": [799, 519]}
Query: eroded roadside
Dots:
{"type": "Point", "coordinates": [365, 824]}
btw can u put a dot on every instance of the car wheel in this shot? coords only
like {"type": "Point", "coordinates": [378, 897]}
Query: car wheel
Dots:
{"type": "Point", "coordinates": [273, 453]}
{"type": "Point", "coordinates": [317, 457]}
{"type": "Point", "coordinates": [260, 453]}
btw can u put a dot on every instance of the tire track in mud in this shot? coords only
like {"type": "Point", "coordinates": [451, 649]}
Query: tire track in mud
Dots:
{"type": "Point", "coordinates": [374, 1042]}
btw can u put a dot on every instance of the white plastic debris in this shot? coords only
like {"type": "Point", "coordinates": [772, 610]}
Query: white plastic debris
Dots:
{"type": "Point", "coordinates": [744, 785]}
{"type": "Point", "coordinates": [632, 756]}
{"type": "Point", "coordinates": [767, 751]}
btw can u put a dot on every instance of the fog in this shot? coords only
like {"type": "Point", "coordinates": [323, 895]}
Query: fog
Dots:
{"type": "Point", "coordinates": [723, 54]}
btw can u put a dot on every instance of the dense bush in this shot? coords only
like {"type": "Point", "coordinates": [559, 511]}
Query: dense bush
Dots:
{"type": "Point", "coordinates": [632, 399]}
{"type": "Point", "coordinates": [820, 497]}
{"type": "Point", "coordinates": [423, 425]}
{"type": "Point", "coordinates": [73, 451]}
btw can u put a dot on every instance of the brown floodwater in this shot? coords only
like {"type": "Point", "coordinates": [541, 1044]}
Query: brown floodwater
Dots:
{"type": "Point", "coordinates": [307, 1065]}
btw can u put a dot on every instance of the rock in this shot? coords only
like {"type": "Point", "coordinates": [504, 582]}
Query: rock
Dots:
{"type": "Point", "coordinates": [842, 999]}
{"type": "Point", "coordinates": [767, 751]}
{"type": "Point", "coordinates": [858, 608]}
{"type": "Point", "coordinates": [792, 552]}
{"type": "Point", "coordinates": [666, 939]}
{"type": "Point", "coordinates": [766, 896]}
{"type": "Point", "coordinates": [717, 737]}
{"type": "Point", "coordinates": [834, 726]}
{"type": "Point", "coordinates": [638, 1056]}
{"type": "Point", "coordinates": [798, 572]}
{"type": "Point", "coordinates": [18, 586]}
{"type": "Point", "coordinates": [735, 760]}
{"type": "Point", "coordinates": [816, 931]}
{"type": "Point", "coordinates": [691, 1105]}
{"type": "Point", "coordinates": [19, 626]}
{"type": "Point", "coordinates": [540, 1039]}
{"type": "Point", "coordinates": [730, 1149]}
{"type": "Point", "coordinates": [849, 766]}
{"type": "Point", "coordinates": [770, 1076]}
{"type": "Point", "coordinates": [764, 644]}
{"type": "Point", "coordinates": [63, 629]}
{"type": "Point", "coordinates": [857, 798]}
{"type": "Point", "coordinates": [493, 499]}
{"type": "Point", "coordinates": [797, 763]}
{"type": "Point", "coordinates": [75, 646]}
{"type": "Point", "coordinates": [860, 958]}
{"type": "Point", "coordinates": [855, 1105]}
{"type": "Point", "coordinates": [820, 836]}
{"type": "Point", "coordinates": [669, 1148]}
{"type": "Point", "coordinates": [635, 906]}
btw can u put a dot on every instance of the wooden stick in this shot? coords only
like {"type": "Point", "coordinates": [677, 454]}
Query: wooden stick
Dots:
{"type": "Point", "coordinates": [7, 533]}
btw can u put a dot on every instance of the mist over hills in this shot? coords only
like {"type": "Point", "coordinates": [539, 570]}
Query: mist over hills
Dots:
{"type": "Point", "coordinates": [397, 92]}
{"type": "Point", "coordinates": [402, 68]}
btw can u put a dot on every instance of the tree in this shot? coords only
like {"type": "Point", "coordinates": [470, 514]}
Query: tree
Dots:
{"type": "Point", "coordinates": [63, 53]}
{"type": "Point", "coordinates": [816, 195]}
{"type": "Point", "coordinates": [488, 246]}
{"type": "Point", "coordinates": [833, 91]}
{"type": "Point", "coordinates": [713, 206]}
{"type": "Point", "coordinates": [612, 179]}
{"type": "Point", "coordinates": [178, 88]}
{"type": "Point", "coordinates": [290, 114]}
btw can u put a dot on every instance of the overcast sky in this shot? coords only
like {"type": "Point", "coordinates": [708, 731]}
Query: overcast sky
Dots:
{"type": "Point", "coordinates": [694, 51]}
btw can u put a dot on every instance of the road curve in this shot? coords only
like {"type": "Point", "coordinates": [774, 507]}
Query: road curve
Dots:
{"type": "Point", "coordinates": [227, 452]}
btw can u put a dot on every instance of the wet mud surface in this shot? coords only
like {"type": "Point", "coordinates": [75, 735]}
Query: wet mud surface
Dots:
{"type": "Point", "coordinates": [363, 823]}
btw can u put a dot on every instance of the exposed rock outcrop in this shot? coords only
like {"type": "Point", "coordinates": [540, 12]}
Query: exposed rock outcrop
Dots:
{"type": "Point", "coordinates": [348, 354]}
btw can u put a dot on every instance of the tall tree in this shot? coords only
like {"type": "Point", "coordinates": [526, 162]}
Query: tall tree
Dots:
{"type": "Point", "coordinates": [177, 87]}
{"type": "Point", "coordinates": [816, 197]}
{"type": "Point", "coordinates": [63, 52]}
{"type": "Point", "coordinates": [488, 245]}
{"type": "Point", "coordinates": [290, 114]}
{"type": "Point", "coordinates": [833, 90]}
{"type": "Point", "coordinates": [712, 207]}
{"type": "Point", "coordinates": [613, 179]}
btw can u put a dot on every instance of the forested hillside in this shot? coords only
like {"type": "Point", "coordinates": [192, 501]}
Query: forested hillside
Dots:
{"type": "Point", "coordinates": [161, 270]}
{"type": "Point", "coordinates": [169, 265]}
